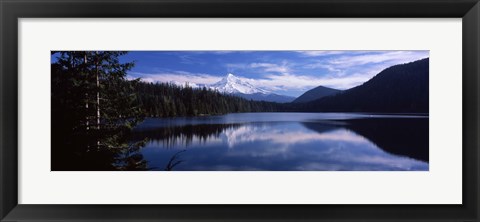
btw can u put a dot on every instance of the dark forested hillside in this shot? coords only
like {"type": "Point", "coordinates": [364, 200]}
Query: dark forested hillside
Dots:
{"type": "Point", "coordinates": [397, 89]}
{"type": "Point", "coordinates": [316, 93]}
{"type": "Point", "coordinates": [169, 100]}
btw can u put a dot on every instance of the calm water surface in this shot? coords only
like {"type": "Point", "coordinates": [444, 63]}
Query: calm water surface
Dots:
{"type": "Point", "coordinates": [286, 142]}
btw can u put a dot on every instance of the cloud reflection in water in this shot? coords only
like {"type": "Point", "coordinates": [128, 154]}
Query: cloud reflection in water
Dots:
{"type": "Point", "coordinates": [272, 146]}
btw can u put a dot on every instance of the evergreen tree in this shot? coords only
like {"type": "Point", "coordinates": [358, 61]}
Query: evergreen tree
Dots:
{"type": "Point", "coordinates": [94, 108]}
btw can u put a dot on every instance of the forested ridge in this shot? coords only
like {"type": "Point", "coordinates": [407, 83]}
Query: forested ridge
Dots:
{"type": "Point", "coordinates": [398, 89]}
{"type": "Point", "coordinates": [170, 100]}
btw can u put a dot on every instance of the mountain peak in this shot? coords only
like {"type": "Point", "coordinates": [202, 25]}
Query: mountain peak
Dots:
{"type": "Point", "coordinates": [231, 77]}
{"type": "Point", "coordinates": [233, 84]}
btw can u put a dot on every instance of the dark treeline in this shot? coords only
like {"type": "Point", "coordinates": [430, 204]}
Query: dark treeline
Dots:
{"type": "Point", "coordinates": [170, 100]}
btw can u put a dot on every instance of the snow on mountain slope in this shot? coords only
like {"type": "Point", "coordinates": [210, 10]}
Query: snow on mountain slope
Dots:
{"type": "Point", "coordinates": [232, 84]}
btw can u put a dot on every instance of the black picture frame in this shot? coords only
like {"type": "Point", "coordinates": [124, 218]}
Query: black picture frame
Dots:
{"type": "Point", "coordinates": [11, 11]}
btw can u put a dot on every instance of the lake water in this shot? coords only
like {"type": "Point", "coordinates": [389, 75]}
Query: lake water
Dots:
{"type": "Point", "coordinates": [286, 142]}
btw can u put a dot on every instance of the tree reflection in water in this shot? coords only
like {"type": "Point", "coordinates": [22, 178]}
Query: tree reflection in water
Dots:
{"type": "Point", "coordinates": [398, 137]}
{"type": "Point", "coordinates": [172, 136]}
{"type": "Point", "coordinates": [185, 135]}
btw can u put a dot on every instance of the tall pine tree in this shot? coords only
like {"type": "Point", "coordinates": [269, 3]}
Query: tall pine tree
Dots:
{"type": "Point", "coordinates": [94, 108]}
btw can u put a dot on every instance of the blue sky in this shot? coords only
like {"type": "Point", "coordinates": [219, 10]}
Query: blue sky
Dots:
{"type": "Point", "coordinates": [282, 72]}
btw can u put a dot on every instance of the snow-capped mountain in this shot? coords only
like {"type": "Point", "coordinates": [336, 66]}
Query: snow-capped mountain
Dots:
{"type": "Point", "coordinates": [232, 84]}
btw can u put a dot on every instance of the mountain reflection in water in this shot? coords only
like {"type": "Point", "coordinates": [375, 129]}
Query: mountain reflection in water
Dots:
{"type": "Point", "coordinates": [368, 144]}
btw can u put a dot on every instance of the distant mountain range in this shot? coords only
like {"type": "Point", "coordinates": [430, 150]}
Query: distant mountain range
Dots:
{"type": "Point", "coordinates": [316, 93]}
{"type": "Point", "coordinates": [398, 89]}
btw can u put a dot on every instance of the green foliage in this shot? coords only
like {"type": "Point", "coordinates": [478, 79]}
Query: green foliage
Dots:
{"type": "Point", "coordinates": [94, 108]}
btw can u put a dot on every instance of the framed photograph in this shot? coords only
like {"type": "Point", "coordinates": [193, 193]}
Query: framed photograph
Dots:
{"type": "Point", "coordinates": [226, 110]}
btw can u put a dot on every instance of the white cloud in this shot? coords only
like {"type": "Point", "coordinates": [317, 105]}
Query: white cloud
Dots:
{"type": "Point", "coordinates": [357, 66]}
{"type": "Point", "coordinates": [303, 82]}
{"type": "Point", "coordinates": [221, 52]}
{"type": "Point", "coordinates": [360, 59]}
{"type": "Point", "coordinates": [387, 57]}
{"type": "Point", "coordinates": [270, 67]}
{"type": "Point", "coordinates": [259, 67]}
{"type": "Point", "coordinates": [188, 59]}
{"type": "Point", "coordinates": [218, 52]}
{"type": "Point", "coordinates": [231, 66]}
{"type": "Point", "coordinates": [329, 67]}
{"type": "Point", "coordinates": [177, 76]}
{"type": "Point", "coordinates": [318, 53]}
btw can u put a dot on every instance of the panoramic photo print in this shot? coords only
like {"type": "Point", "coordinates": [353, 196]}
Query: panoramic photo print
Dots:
{"type": "Point", "coordinates": [240, 110]}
